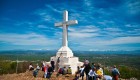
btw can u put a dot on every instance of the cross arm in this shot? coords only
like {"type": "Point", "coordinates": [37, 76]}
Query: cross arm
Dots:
{"type": "Point", "coordinates": [72, 22]}
{"type": "Point", "coordinates": [58, 24]}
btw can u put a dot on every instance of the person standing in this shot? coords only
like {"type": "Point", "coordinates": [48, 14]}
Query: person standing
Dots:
{"type": "Point", "coordinates": [86, 62]}
{"type": "Point", "coordinates": [49, 73]}
{"type": "Point", "coordinates": [86, 70]}
{"type": "Point", "coordinates": [115, 73]}
{"type": "Point", "coordinates": [45, 70]}
{"type": "Point", "coordinates": [82, 72]}
{"type": "Point", "coordinates": [52, 64]}
{"type": "Point", "coordinates": [43, 65]}
{"type": "Point", "coordinates": [93, 65]}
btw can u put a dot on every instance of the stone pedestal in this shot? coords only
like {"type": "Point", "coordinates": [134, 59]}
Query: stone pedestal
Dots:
{"type": "Point", "coordinates": [66, 59]}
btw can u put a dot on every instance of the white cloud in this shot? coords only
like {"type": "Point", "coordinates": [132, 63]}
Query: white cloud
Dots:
{"type": "Point", "coordinates": [133, 6]}
{"type": "Point", "coordinates": [42, 26]}
{"type": "Point", "coordinates": [101, 44]}
{"type": "Point", "coordinates": [88, 28]}
{"type": "Point", "coordinates": [132, 26]}
{"type": "Point", "coordinates": [106, 22]}
{"type": "Point", "coordinates": [26, 39]}
{"type": "Point", "coordinates": [113, 29]}
{"type": "Point", "coordinates": [87, 2]}
{"type": "Point", "coordinates": [82, 35]}
{"type": "Point", "coordinates": [115, 41]}
{"type": "Point", "coordinates": [123, 40]}
{"type": "Point", "coordinates": [46, 16]}
{"type": "Point", "coordinates": [80, 32]}
{"type": "Point", "coordinates": [53, 9]}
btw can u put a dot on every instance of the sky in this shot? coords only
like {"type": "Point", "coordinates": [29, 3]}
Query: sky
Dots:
{"type": "Point", "coordinates": [102, 24]}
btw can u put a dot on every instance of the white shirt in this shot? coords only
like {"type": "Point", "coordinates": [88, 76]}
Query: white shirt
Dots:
{"type": "Point", "coordinates": [38, 67]}
{"type": "Point", "coordinates": [30, 66]}
{"type": "Point", "coordinates": [92, 73]}
{"type": "Point", "coordinates": [43, 63]}
{"type": "Point", "coordinates": [81, 69]}
{"type": "Point", "coordinates": [107, 77]}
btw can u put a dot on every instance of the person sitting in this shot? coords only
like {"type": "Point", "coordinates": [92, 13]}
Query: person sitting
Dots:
{"type": "Point", "coordinates": [31, 67]}
{"type": "Point", "coordinates": [69, 71]}
{"type": "Point", "coordinates": [99, 72]}
{"type": "Point", "coordinates": [65, 70]}
{"type": "Point", "coordinates": [107, 77]}
{"type": "Point", "coordinates": [35, 72]}
{"type": "Point", "coordinates": [76, 76]}
{"type": "Point", "coordinates": [37, 67]}
{"type": "Point", "coordinates": [92, 74]}
{"type": "Point", "coordinates": [61, 71]}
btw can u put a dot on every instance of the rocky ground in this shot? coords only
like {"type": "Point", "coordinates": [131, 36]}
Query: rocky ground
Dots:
{"type": "Point", "coordinates": [29, 76]}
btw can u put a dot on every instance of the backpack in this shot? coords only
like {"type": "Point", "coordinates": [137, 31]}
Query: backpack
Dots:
{"type": "Point", "coordinates": [114, 72]}
{"type": "Point", "coordinates": [35, 72]}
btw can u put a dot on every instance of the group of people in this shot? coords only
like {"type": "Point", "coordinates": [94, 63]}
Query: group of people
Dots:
{"type": "Point", "coordinates": [90, 71]}
{"type": "Point", "coordinates": [95, 72]}
{"type": "Point", "coordinates": [46, 68]}
{"type": "Point", "coordinates": [35, 70]}
{"type": "Point", "coordinates": [64, 71]}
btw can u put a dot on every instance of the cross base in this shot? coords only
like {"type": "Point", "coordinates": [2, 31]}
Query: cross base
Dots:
{"type": "Point", "coordinates": [72, 62]}
{"type": "Point", "coordinates": [66, 59]}
{"type": "Point", "coordinates": [64, 51]}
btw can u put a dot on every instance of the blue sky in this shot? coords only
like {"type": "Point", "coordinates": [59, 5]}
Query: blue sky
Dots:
{"type": "Point", "coordinates": [102, 24]}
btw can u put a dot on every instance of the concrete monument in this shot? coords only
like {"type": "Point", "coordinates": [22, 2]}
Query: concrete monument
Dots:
{"type": "Point", "coordinates": [64, 56]}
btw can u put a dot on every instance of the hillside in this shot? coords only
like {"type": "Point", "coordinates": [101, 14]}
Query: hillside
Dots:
{"type": "Point", "coordinates": [128, 64]}
{"type": "Point", "coordinates": [28, 76]}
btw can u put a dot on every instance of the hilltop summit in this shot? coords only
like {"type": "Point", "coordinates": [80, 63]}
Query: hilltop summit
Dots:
{"type": "Point", "coordinates": [29, 76]}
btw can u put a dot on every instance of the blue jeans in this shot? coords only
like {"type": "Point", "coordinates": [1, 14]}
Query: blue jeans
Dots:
{"type": "Point", "coordinates": [92, 78]}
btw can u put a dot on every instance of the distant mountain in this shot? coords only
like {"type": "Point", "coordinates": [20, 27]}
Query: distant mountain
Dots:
{"type": "Point", "coordinates": [75, 52]}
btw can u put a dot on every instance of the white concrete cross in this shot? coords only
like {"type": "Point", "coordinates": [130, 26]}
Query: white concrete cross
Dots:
{"type": "Point", "coordinates": [65, 25]}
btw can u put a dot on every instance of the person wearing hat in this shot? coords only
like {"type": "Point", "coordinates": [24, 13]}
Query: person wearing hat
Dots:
{"type": "Point", "coordinates": [115, 73]}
